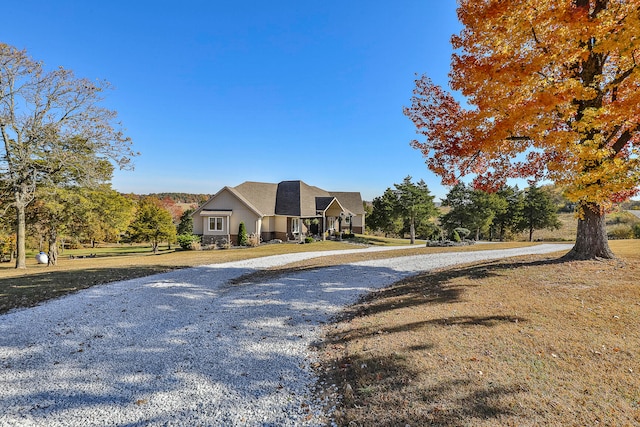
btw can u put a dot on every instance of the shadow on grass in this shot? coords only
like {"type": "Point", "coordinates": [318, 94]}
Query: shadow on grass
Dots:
{"type": "Point", "coordinates": [435, 288]}
{"type": "Point", "coordinates": [372, 365]}
{"type": "Point", "coordinates": [33, 289]}
{"type": "Point", "coordinates": [384, 391]}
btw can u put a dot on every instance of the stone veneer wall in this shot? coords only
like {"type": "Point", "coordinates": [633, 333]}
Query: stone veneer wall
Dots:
{"type": "Point", "coordinates": [215, 239]}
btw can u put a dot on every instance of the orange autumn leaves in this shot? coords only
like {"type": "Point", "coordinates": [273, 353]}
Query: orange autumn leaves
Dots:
{"type": "Point", "coordinates": [553, 93]}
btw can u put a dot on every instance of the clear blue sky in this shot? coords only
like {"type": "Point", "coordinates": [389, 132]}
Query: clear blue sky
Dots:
{"type": "Point", "coordinates": [215, 93]}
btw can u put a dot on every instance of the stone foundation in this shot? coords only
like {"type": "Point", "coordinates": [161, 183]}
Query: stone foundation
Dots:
{"type": "Point", "coordinates": [208, 240]}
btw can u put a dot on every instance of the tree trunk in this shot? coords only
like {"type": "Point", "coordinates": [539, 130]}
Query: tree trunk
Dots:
{"type": "Point", "coordinates": [531, 224]}
{"type": "Point", "coordinates": [591, 238]}
{"type": "Point", "coordinates": [53, 247]}
{"type": "Point", "coordinates": [412, 231]}
{"type": "Point", "coordinates": [21, 255]}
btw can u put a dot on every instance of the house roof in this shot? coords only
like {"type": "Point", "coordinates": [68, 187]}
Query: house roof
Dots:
{"type": "Point", "coordinates": [292, 198]}
{"type": "Point", "coordinates": [262, 195]}
{"type": "Point", "coordinates": [350, 200]}
{"type": "Point", "coordinates": [237, 194]}
{"type": "Point", "coordinates": [323, 203]}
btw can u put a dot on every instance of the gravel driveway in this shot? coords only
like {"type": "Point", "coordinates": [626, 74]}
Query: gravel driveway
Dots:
{"type": "Point", "coordinates": [186, 348]}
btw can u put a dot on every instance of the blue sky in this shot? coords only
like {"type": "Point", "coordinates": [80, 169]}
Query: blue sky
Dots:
{"type": "Point", "coordinates": [215, 93]}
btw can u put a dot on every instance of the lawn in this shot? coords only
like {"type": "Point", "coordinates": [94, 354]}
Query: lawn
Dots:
{"type": "Point", "coordinates": [523, 341]}
{"type": "Point", "coordinates": [526, 341]}
{"type": "Point", "coordinates": [25, 288]}
{"type": "Point", "coordinates": [38, 283]}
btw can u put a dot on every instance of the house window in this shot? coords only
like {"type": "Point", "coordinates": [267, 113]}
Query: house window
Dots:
{"type": "Point", "coordinates": [295, 225]}
{"type": "Point", "coordinates": [216, 223]}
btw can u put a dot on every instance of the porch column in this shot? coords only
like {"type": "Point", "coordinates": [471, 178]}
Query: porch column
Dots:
{"type": "Point", "coordinates": [324, 227]}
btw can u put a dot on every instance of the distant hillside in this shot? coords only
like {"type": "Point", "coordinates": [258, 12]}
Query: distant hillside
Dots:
{"type": "Point", "coordinates": [180, 198]}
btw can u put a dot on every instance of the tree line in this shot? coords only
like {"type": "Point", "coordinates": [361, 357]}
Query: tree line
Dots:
{"type": "Point", "coordinates": [58, 149]}
{"type": "Point", "coordinates": [67, 217]}
{"type": "Point", "coordinates": [409, 208]}
{"type": "Point", "coordinates": [55, 135]}
{"type": "Point", "coordinates": [178, 197]}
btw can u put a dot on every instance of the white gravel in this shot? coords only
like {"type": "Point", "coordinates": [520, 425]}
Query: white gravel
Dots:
{"type": "Point", "coordinates": [186, 348]}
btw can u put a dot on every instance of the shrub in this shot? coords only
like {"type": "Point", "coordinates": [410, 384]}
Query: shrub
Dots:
{"type": "Point", "coordinates": [254, 240]}
{"type": "Point", "coordinates": [187, 240]}
{"type": "Point", "coordinates": [462, 232]}
{"type": "Point", "coordinates": [636, 231]}
{"type": "Point", "coordinates": [309, 239]}
{"type": "Point", "coordinates": [223, 244]}
{"type": "Point", "coordinates": [456, 237]}
{"type": "Point", "coordinates": [243, 237]}
{"type": "Point", "coordinates": [620, 232]}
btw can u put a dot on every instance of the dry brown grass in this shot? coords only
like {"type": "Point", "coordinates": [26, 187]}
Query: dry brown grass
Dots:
{"type": "Point", "coordinates": [38, 283]}
{"type": "Point", "coordinates": [524, 342]}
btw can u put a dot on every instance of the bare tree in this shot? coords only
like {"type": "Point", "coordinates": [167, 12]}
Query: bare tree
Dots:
{"type": "Point", "coordinates": [54, 132]}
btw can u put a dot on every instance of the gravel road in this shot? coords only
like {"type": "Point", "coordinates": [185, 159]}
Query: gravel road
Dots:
{"type": "Point", "coordinates": [186, 347]}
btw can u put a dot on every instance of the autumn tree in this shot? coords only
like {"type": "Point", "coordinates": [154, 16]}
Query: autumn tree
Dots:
{"type": "Point", "coordinates": [552, 90]}
{"type": "Point", "coordinates": [7, 236]}
{"type": "Point", "coordinates": [59, 214]}
{"type": "Point", "coordinates": [174, 209]}
{"type": "Point", "coordinates": [53, 132]}
{"type": "Point", "coordinates": [105, 215]}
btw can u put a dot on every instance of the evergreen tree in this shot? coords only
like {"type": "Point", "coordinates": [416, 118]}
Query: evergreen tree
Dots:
{"type": "Point", "coordinates": [509, 218]}
{"type": "Point", "coordinates": [383, 215]}
{"type": "Point", "coordinates": [414, 203]}
{"type": "Point", "coordinates": [243, 238]}
{"type": "Point", "coordinates": [461, 211]}
{"type": "Point", "coordinates": [186, 222]}
{"type": "Point", "coordinates": [404, 209]}
{"type": "Point", "coordinates": [539, 211]}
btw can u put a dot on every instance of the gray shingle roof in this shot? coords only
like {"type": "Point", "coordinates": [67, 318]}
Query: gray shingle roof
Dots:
{"type": "Point", "coordinates": [295, 198]}
{"type": "Point", "coordinates": [350, 200]}
{"type": "Point", "coordinates": [262, 195]}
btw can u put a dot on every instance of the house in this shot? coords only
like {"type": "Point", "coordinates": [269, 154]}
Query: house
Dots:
{"type": "Point", "coordinates": [289, 210]}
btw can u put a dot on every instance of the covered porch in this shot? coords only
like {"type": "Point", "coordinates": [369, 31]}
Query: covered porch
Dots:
{"type": "Point", "coordinates": [329, 221]}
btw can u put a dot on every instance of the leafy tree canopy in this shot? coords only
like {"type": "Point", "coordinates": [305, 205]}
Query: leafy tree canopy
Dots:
{"type": "Point", "coordinates": [53, 132]}
{"type": "Point", "coordinates": [406, 208]}
{"type": "Point", "coordinates": [553, 94]}
{"type": "Point", "coordinates": [152, 223]}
